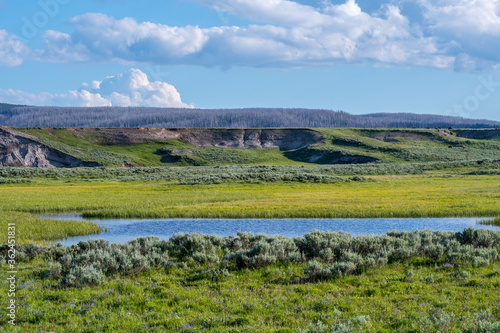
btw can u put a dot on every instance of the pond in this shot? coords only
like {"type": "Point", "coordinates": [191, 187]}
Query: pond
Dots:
{"type": "Point", "coordinates": [123, 230]}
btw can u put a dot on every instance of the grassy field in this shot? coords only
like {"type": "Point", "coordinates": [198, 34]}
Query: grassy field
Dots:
{"type": "Point", "coordinates": [430, 195]}
{"type": "Point", "coordinates": [263, 300]}
{"type": "Point", "coordinates": [447, 293]}
{"type": "Point", "coordinates": [439, 282]}
{"type": "Point", "coordinates": [34, 229]}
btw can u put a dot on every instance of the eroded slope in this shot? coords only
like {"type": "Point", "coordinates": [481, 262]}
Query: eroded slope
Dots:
{"type": "Point", "coordinates": [22, 150]}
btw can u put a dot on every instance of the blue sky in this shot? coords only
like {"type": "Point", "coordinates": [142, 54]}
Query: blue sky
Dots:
{"type": "Point", "coordinates": [421, 56]}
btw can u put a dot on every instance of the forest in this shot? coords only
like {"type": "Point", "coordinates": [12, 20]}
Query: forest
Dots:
{"type": "Point", "coordinates": [36, 116]}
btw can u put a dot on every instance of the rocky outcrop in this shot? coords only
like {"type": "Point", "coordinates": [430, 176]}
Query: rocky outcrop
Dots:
{"type": "Point", "coordinates": [284, 139]}
{"type": "Point", "coordinates": [18, 149]}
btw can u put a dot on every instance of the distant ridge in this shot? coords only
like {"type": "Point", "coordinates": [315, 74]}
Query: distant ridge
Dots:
{"type": "Point", "coordinates": [5, 106]}
{"type": "Point", "coordinates": [33, 116]}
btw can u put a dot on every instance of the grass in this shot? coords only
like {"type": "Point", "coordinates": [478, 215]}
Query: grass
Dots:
{"type": "Point", "coordinates": [33, 229]}
{"type": "Point", "coordinates": [270, 299]}
{"type": "Point", "coordinates": [384, 145]}
{"type": "Point", "coordinates": [416, 295]}
{"type": "Point", "coordinates": [224, 156]}
{"type": "Point", "coordinates": [432, 195]}
{"type": "Point", "coordinates": [405, 145]}
{"type": "Point", "coordinates": [494, 221]}
{"type": "Point", "coordinates": [152, 153]}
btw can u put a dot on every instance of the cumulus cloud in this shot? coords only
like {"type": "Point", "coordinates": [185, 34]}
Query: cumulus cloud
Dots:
{"type": "Point", "coordinates": [293, 35]}
{"type": "Point", "coordinates": [477, 16]}
{"type": "Point", "coordinates": [280, 12]}
{"type": "Point", "coordinates": [103, 38]}
{"type": "Point", "coordinates": [12, 51]}
{"type": "Point", "coordinates": [458, 34]}
{"type": "Point", "coordinates": [132, 88]}
{"type": "Point", "coordinates": [471, 27]}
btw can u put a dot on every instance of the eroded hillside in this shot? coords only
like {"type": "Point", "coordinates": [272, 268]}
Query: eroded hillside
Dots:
{"type": "Point", "coordinates": [21, 150]}
{"type": "Point", "coordinates": [127, 147]}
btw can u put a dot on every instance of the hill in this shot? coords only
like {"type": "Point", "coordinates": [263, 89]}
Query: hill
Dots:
{"type": "Point", "coordinates": [70, 147]}
{"type": "Point", "coordinates": [4, 106]}
{"type": "Point", "coordinates": [223, 118]}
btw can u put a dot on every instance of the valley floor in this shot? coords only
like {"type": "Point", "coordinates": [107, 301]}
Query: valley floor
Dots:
{"type": "Point", "coordinates": [409, 295]}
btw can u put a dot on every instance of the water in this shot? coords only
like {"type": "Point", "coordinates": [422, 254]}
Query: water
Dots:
{"type": "Point", "coordinates": [123, 230]}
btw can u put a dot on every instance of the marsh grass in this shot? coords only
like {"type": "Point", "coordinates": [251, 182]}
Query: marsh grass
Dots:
{"type": "Point", "coordinates": [493, 221]}
{"type": "Point", "coordinates": [387, 196]}
{"type": "Point", "coordinates": [30, 228]}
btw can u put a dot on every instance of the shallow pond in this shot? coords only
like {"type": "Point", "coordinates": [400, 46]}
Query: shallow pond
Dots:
{"type": "Point", "coordinates": [123, 230]}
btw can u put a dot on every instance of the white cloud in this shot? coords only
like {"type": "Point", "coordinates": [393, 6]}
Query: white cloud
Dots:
{"type": "Point", "coordinates": [338, 33]}
{"type": "Point", "coordinates": [459, 34]}
{"type": "Point", "coordinates": [132, 88]}
{"type": "Point", "coordinates": [476, 16]}
{"type": "Point", "coordinates": [472, 27]}
{"type": "Point", "coordinates": [12, 51]}
{"type": "Point", "coordinates": [280, 12]}
{"type": "Point", "coordinates": [107, 38]}
{"type": "Point", "coordinates": [60, 48]}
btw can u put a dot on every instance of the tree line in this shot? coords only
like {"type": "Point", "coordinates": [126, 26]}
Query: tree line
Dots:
{"type": "Point", "coordinates": [35, 116]}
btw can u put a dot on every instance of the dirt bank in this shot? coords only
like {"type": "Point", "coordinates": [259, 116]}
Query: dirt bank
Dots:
{"type": "Point", "coordinates": [284, 139]}
{"type": "Point", "coordinates": [21, 150]}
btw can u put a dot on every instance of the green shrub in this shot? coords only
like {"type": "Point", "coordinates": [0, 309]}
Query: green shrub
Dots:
{"type": "Point", "coordinates": [314, 270]}
{"type": "Point", "coordinates": [84, 275]}
{"type": "Point", "coordinates": [463, 275]}
{"type": "Point", "coordinates": [55, 269]}
{"type": "Point", "coordinates": [409, 276]}
{"type": "Point", "coordinates": [484, 322]}
{"type": "Point", "coordinates": [341, 253]}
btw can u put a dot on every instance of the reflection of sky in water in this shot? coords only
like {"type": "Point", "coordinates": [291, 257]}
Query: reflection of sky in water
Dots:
{"type": "Point", "coordinates": [121, 231]}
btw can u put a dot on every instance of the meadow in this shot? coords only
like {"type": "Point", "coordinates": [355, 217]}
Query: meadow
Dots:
{"type": "Point", "coordinates": [441, 282]}
{"type": "Point", "coordinates": [322, 282]}
{"type": "Point", "coordinates": [444, 194]}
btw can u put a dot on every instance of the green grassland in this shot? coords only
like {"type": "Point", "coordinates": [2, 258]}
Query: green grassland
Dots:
{"type": "Point", "coordinates": [34, 229]}
{"type": "Point", "coordinates": [154, 152]}
{"type": "Point", "coordinates": [187, 287]}
{"type": "Point", "coordinates": [262, 300]}
{"type": "Point", "coordinates": [384, 146]}
{"type": "Point", "coordinates": [401, 145]}
{"type": "Point", "coordinates": [437, 283]}
{"type": "Point", "coordinates": [431, 195]}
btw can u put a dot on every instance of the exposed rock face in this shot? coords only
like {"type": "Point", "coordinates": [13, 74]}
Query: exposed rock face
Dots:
{"type": "Point", "coordinates": [20, 150]}
{"type": "Point", "coordinates": [284, 139]}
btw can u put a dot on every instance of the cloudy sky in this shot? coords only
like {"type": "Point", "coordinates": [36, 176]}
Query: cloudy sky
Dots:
{"type": "Point", "coordinates": [360, 56]}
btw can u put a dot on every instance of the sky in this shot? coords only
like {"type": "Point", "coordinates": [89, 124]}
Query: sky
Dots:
{"type": "Point", "coordinates": [360, 56]}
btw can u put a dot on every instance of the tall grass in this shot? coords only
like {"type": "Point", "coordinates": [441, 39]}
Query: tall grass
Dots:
{"type": "Point", "coordinates": [388, 196]}
{"type": "Point", "coordinates": [493, 222]}
{"type": "Point", "coordinates": [30, 228]}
